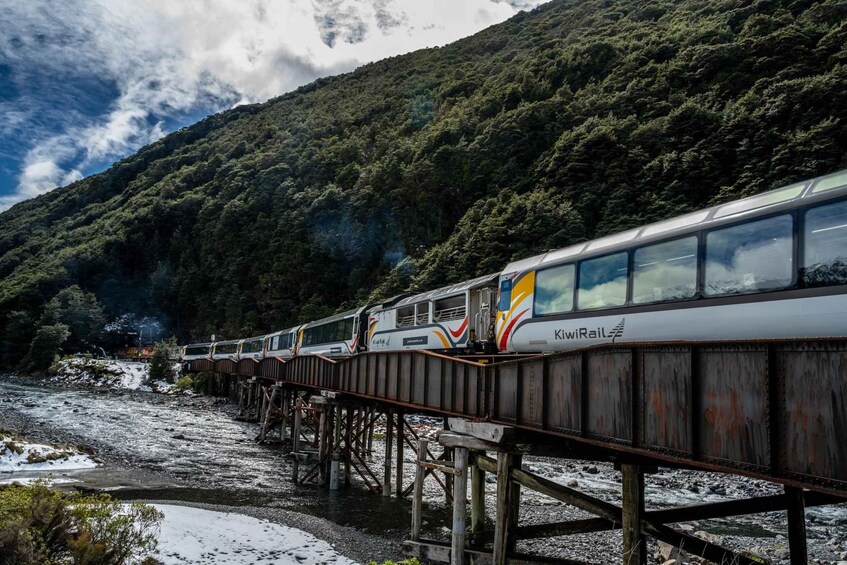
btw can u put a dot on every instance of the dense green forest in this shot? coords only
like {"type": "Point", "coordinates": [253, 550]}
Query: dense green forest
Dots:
{"type": "Point", "coordinates": [581, 118]}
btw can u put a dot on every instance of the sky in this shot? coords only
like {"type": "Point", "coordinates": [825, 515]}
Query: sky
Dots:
{"type": "Point", "coordinates": [88, 82]}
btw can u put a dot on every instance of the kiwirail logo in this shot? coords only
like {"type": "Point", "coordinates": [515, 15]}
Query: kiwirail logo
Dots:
{"type": "Point", "coordinates": [591, 333]}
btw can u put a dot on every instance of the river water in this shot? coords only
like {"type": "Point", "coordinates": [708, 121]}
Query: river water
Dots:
{"type": "Point", "coordinates": [189, 449]}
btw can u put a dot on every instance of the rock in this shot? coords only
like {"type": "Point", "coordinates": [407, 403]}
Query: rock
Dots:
{"type": "Point", "coordinates": [782, 554]}
{"type": "Point", "coordinates": [687, 528]}
{"type": "Point", "coordinates": [572, 483]}
{"type": "Point", "coordinates": [718, 489]}
{"type": "Point", "coordinates": [178, 436]}
{"type": "Point", "coordinates": [711, 538]}
{"type": "Point", "coordinates": [693, 488]}
{"type": "Point", "coordinates": [592, 470]}
{"type": "Point", "coordinates": [671, 562]}
{"type": "Point", "coordinates": [668, 552]}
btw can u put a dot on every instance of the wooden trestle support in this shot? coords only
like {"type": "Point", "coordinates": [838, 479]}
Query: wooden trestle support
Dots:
{"type": "Point", "coordinates": [472, 442]}
{"type": "Point", "coordinates": [330, 437]}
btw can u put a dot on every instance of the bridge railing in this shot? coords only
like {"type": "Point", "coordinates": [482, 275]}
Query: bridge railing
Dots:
{"type": "Point", "coordinates": [421, 379]}
{"type": "Point", "coordinates": [775, 409]}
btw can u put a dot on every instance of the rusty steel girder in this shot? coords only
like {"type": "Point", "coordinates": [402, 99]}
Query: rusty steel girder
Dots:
{"type": "Point", "coordinates": [775, 410]}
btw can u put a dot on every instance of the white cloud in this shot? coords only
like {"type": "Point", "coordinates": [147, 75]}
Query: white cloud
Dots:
{"type": "Point", "coordinates": [167, 59]}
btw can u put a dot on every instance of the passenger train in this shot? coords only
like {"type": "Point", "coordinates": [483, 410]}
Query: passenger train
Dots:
{"type": "Point", "coordinates": [772, 265]}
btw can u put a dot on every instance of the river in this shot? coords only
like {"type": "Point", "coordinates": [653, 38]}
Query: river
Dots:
{"type": "Point", "coordinates": [192, 450]}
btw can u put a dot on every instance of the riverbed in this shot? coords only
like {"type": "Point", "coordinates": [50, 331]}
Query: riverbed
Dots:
{"type": "Point", "coordinates": [192, 450]}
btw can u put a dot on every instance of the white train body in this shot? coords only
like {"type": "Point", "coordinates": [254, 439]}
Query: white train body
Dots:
{"type": "Point", "coordinates": [769, 266]}
{"type": "Point", "coordinates": [282, 344]}
{"type": "Point", "coordinates": [341, 335]}
{"type": "Point", "coordinates": [226, 350]}
{"type": "Point", "coordinates": [450, 319]}
{"type": "Point", "coordinates": [195, 351]}
{"type": "Point", "coordinates": [252, 348]}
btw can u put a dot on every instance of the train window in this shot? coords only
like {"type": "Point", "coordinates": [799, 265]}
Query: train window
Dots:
{"type": "Point", "coordinates": [505, 295]}
{"type": "Point", "coordinates": [666, 271]}
{"type": "Point", "coordinates": [422, 314]}
{"type": "Point", "coordinates": [825, 247]}
{"type": "Point", "coordinates": [405, 317]}
{"type": "Point", "coordinates": [828, 183]}
{"type": "Point", "coordinates": [602, 281]}
{"type": "Point", "coordinates": [554, 290]}
{"type": "Point", "coordinates": [448, 309]}
{"type": "Point", "coordinates": [415, 315]}
{"type": "Point", "coordinates": [750, 257]}
{"type": "Point", "coordinates": [760, 200]}
{"type": "Point", "coordinates": [252, 346]}
{"type": "Point", "coordinates": [226, 348]}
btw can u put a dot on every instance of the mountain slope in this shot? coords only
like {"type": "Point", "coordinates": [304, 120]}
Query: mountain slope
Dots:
{"type": "Point", "coordinates": [579, 119]}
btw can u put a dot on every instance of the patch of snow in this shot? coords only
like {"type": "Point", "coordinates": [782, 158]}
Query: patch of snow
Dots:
{"type": "Point", "coordinates": [18, 456]}
{"type": "Point", "coordinates": [195, 535]}
{"type": "Point", "coordinates": [51, 480]}
{"type": "Point", "coordinates": [110, 374]}
{"type": "Point", "coordinates": [101, 373]}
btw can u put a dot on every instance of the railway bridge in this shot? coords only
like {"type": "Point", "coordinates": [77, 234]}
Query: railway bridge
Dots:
{"type": "Point", "coordinates": [773, 410]}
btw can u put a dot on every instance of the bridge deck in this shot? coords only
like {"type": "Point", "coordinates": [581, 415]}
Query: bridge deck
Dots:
{"type": "Point", "coordinates": [775, 410]}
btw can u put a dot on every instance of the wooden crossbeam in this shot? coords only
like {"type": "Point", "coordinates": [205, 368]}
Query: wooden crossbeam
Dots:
{"type": "Point", "coordinates": [355, 457]}
{"type": "Point", "coordinates": [439, 552]}
{"type": "Point", "coordinates": [611, 513]}
{"type": "Point", "coordinates": [571, 527]}
{"type": "Point", "coordinates": [697, 546]}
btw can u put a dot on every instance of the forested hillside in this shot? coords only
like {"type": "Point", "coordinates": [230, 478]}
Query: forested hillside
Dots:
{"type": "Point", "coordinates": [581, 118]}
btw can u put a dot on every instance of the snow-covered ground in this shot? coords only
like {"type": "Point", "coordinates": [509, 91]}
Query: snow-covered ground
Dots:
{"type": "Point", "coordinates": [198, 536]}
{"type": "Point", "coordinates": [19, 456]}
{"type": "Point", "coordinates": [110, 374]}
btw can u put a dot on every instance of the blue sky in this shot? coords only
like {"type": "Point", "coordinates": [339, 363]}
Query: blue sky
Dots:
{"type": "Point", "coordinates": [83, 84]}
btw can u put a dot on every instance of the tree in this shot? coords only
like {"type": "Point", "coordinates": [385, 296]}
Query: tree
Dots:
{"type": "Point", "coordinates": [17, 336]}
{"type": "Point", "coordinates": [45, 348]}
{"type": "Point", "coordinates": [79, 311]}
{"type": "Point", "coordinates": [161, 367]}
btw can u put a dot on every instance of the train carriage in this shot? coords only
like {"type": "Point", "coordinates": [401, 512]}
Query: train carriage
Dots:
{"type": "Point", "coordinates": [450, 319]}
{"type": "Point", "coordinates": [770, 266]}
{"type": "Point", "coordinates": [341, 335]}
{"type": "Point", "coordinates": [195, 351]}
{"type": "Point", "coordinates": [252, 348]}
{"type": "Point", "coordinates": [282, 344]}
{"type": "Point", "coordinates": [226, 349]}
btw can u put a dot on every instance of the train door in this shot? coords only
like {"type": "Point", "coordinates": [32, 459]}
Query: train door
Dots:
{"type": "Point", "coordinates": [360, 322]}
{"type": "Point", "coordinates": [482, 312]}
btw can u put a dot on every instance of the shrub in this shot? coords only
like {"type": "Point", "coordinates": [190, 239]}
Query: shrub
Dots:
{"type": "Point", "coordinates": [183, 384]}
{"type": "Point", "coordinates": [42, 525]}
{"type": "Point", "coordinates": [160, 364]}
{"type": "Point", "coordinates": [200, 382]}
